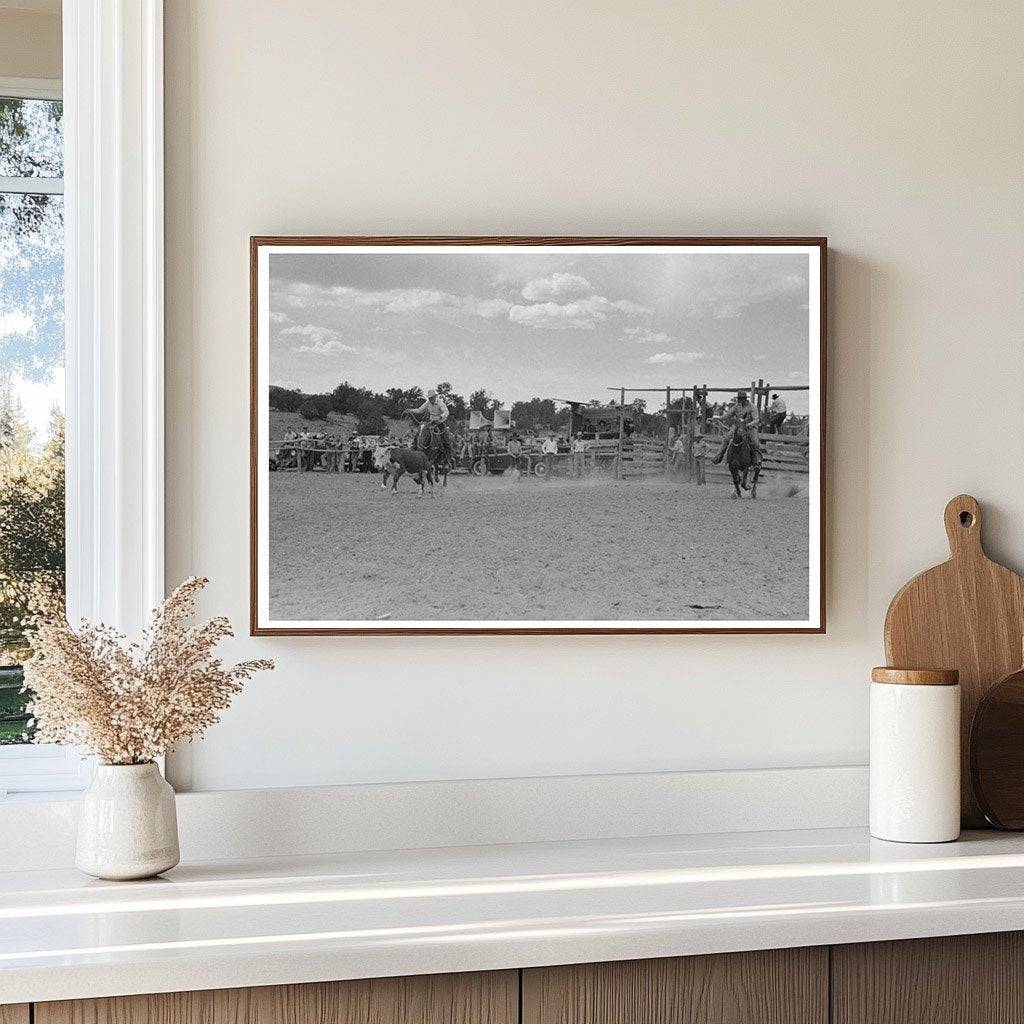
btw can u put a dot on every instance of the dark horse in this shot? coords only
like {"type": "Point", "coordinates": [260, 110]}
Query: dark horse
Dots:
{"type": "Point", "coordinates": [396, 461]}
{"type": "Point", "coordinates": [430, 441]}
{"type": "Point", "coordinates": [741, 458]}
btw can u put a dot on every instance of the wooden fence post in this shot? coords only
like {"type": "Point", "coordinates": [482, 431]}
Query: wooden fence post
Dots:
{"type": "Point", "coordinates": [691, 426]}
{"type": "Point", "coordinates": [622, 431]}
{"type": "Point", "coordinates": [668, 427]}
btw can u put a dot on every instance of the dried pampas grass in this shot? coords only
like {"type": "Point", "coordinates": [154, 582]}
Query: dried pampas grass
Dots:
{"type": "Point", "coordinates": [129, 703]}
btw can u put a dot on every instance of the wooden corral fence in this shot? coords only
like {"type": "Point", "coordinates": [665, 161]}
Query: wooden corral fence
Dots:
{"type": "Point", "coordinates": [640, 456]}
{"type": "Point", "coordinates": [305, 450]}
{"type": "Point", "coordinates": [783, 453]}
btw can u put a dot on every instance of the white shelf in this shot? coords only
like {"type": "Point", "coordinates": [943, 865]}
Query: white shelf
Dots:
{"type": "Point", "coordinates": [352, 915]}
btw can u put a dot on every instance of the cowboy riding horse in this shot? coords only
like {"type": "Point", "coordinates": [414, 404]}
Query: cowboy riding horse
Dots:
{"type": "Point", "coordinates": [432, 437]}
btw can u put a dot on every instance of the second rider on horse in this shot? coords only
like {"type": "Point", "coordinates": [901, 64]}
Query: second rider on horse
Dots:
{"type": "Point", "coordinates": [432, 413]}
{"type": "Point", "coordinates": [741, 412]}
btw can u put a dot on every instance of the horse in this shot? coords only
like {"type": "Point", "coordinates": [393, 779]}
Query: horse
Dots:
{"type": "Point", "coordinates": [396, 461]}
{"type": "Point", "coordinates": [430, 442]}
{"type": "Point", "coordinates": [740, 458]}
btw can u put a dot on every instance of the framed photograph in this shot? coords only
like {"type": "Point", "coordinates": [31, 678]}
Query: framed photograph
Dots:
{"type": "Point", "coordinates": [537, 435]}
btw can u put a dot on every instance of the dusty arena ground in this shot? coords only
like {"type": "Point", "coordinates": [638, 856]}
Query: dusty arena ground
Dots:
{"type": "Point", "coordinates": [342, 549]}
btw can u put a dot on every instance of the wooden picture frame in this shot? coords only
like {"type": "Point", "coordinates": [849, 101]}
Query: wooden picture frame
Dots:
{"type": "Point", "coordinates": [693, 399]}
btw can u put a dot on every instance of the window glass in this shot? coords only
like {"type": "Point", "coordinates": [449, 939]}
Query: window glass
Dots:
{"type": "Point", "coordinates": [31, 387]}
{"type": "Point", "coordinates": [31, 138]}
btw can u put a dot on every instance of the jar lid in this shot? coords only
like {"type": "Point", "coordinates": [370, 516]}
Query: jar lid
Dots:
{"type": "Point", "coordinates": [916, 676]}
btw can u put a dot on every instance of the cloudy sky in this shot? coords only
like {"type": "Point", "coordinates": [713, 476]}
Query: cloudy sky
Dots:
{"type": "Point", "coordinates": [528, 324]}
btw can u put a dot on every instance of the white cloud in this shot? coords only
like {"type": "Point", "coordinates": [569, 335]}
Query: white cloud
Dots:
{"type": "Point", "coordinates": [490, 309]}
{"type": "Point", "coordinates": [277, 317]}
{"type": "Point", "coordinates": [581, 314]}
{"type": "Point", "coordinates": [404, 300]}
{"type": "Point", "coordinates": [323, 338]}
{"type": "Point", "coordinates": [322, 341]}
{"type": "Point", "coordinates": [557, 286]}
{"type": "Point", "coordinates": [302, 296]}
{"type": "Point", "coordinates": [643, 336]}
{"type": "Point", "coordinates": [324, 348]}
{"type": "Point", "coordinates": [676, 357]}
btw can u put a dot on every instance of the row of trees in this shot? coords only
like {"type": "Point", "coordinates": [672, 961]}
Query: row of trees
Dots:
{"type": "Point", "coordinates": [371, 407]}
{"type": "Point", "coordinates": [31, 525]}
{"type": "Point", "coordinates": [539, 414]}
{"type": "Point", "coordinates": [31, 548]}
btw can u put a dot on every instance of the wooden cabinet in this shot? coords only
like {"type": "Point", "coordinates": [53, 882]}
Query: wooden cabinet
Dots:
{"type": "Point", "coordinates": [963, 979]}
{"type": "Point", "coordinates": [971, 979]}
{"type": "Point", "coordinates": [491, 998]}
{"type": "Point", "coordinates": [777, 986]}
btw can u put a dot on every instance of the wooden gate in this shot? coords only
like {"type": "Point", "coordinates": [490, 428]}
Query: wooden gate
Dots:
{"type": "Point", "coordinates": [641, 456]}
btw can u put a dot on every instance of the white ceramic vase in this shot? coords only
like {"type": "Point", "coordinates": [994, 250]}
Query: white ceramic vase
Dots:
{"type": "Point", "coordinates": [127, 825]}
{"type": "Point", "coordinates": [915, 756]}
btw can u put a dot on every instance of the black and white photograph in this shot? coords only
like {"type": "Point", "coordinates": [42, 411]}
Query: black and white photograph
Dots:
{"type": "Point", "coordinates": [558, 435]}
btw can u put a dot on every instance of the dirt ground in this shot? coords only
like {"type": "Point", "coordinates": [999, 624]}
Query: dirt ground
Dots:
{"type": "Point", "coordinates": [343, 549]}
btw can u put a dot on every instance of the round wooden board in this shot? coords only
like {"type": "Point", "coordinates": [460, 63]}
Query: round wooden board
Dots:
{"type": "Point", "coordinates": [997, 752]}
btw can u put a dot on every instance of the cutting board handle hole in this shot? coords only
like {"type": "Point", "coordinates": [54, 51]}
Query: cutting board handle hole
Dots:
{"type": "Point", "coordinates": [966, 519]}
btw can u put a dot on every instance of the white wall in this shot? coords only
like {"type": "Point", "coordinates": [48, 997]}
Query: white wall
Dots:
{"type": "Point", "coordinates": [895, 129]}
{"type": "Point", "coordinates": [30, 39]}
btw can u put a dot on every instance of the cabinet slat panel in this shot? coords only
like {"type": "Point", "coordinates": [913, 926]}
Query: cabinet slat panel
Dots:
{"type": "Point", "coordinates": [480, 998]}
{"type": "Point", "coordinates": [961, 979]}
{"type": "Point", "coordinates": [14, 1013]}
{"type": "Point", "coordinates": [779, 986]}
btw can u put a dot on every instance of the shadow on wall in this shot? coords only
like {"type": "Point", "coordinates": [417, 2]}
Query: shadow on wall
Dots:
{"type": "Point", "coordinates": [854, 288]}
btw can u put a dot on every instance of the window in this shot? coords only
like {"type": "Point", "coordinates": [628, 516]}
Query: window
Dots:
{"type": "Point", "coordinates": [32, 548]}
{"type": "Point", "coordinates": [107, 143]}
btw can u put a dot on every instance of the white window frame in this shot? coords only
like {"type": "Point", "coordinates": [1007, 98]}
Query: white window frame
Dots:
{"type": "Point", "coordinates": [32, 88]}
{"type": "Point", "coordinates": [114, 324]}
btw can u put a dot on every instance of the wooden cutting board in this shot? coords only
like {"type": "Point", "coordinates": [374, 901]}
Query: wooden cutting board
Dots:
{"type": "Point", "coordinates": [967, 614]}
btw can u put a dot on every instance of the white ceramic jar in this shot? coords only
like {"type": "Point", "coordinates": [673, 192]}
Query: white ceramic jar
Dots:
{"type": "Point", "coordinates": [127, 824]}
{"type": "Point", "coordinates": [915, 755]}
